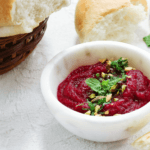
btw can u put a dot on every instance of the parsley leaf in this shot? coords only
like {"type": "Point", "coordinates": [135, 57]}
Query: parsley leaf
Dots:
{"type": "Point", "coordinates": [113, 82]}
{"type": "Point", "coordinates": [102, 92]}
{"type": "Point", "coordinates": [92, 114]}
{"type": "Point", "coordinates": [147, 40]}
{"type": "Point", "coordinates": [101, 101]}
{"type": "Point", "coordinates": [119, 64]}
{"type": "Point", "coordinates": [97, 75]}
{"type": "Point", "coordinates": [105, 85]}
{"type": "Point", "coordinates": [94, 84]}
{"type": "Point", "coordinates": [91, 105]}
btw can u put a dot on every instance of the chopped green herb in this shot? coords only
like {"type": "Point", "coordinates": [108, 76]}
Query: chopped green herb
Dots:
{"type": "Point", "coordinates": [100, 79]}
{"type": "Point", "coordinates": [107, 103]}
{"type": "Point", "coordinates": [124, 77]}
{"type": "Point", "coordinates": [147, 40]}
{"type": "Point", "coordinates": [101, 101]}
{"type": "Point", "coordinates": [119, 64]}
{"type": "Point", "coordinates": [114, 82]}
{"type": "Point", "coordinates": [102, 113]}
{"type": "Point", "coordinates": [106, 85]}
{"type": "Point", "coordinates": [92, 114]}
{"type": "Point", "coordinates": [105, 88]}
{"type": "Point", "coordinates": [91, 105]}
{"type": "Point", "coordinates": [97, 75]}
{"type": "Point", "coordinates": [102, 92]}
{"type": "Point", "coordinates": [114, 73]}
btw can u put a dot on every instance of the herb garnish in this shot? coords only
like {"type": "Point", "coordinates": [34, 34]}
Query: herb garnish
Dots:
{"type": "Point", "coordinates": [147, 40]}
{"type": "Point", "coordinates": [97, 75]}
{"type": "Point", "coordinates": [119, 64]}
{"type": "Point", "coordinates": [106, 86]}
{"type": "Point", "coordinates": [103, 88]}
{"type": "Point", "coordinates": [91, 105]}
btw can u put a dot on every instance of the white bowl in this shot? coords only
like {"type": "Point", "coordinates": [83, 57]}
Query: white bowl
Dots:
{"type": "Point", "coordinates": [102, 129]}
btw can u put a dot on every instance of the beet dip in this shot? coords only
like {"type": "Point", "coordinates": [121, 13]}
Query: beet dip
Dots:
{"type": "Point", "coordinates": [106, 88]}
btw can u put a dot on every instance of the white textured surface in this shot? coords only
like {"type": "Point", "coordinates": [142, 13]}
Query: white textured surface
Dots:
{"type": "Point", "coordinates": [25, 121]}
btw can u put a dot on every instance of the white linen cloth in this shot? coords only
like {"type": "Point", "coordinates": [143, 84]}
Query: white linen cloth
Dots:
{"type": "Point", "coordinates": [25, 121]}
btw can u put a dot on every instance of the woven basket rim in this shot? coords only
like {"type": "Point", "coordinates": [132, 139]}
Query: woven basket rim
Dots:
{"type": "Point", "coordinates": [16, 49]}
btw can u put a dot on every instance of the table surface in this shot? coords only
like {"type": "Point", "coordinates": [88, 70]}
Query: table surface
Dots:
{"type": "Point", "coordinates": [25, 121]}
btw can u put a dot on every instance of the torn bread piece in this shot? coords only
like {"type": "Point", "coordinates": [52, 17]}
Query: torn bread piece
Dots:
{"type": "Point", "coordinates": [142, 143]}
{"type": "Point", "coordinates": [114, 20]}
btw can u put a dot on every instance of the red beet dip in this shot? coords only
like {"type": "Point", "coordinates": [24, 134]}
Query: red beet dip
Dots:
{"type": "Point", "coordinates": [74, 91]}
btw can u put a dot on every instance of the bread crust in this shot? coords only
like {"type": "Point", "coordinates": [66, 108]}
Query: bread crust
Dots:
{"type": "Point", "coordinates": [6, 7]}
{"type": "Point", "coordinates": [90, 12]}
{"type": "Point", "coordinates": [142, 141]}
{"type": "Point", "coordinates": [143, 2]}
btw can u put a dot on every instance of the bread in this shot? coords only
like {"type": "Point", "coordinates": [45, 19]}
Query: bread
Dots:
{"type": "Point", "coordinates": [114, 20]}
{"type": "Point", "coordinates": [22, 16]}
{"type": "Point", "coordinates": [142, 143]}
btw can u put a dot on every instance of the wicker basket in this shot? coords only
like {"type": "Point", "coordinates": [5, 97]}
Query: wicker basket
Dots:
{"type": "Point", "coordinates": [14, 49]}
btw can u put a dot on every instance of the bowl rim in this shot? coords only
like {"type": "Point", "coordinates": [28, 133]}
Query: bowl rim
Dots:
{"type": "Point", "coordinates": [53, 101]}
